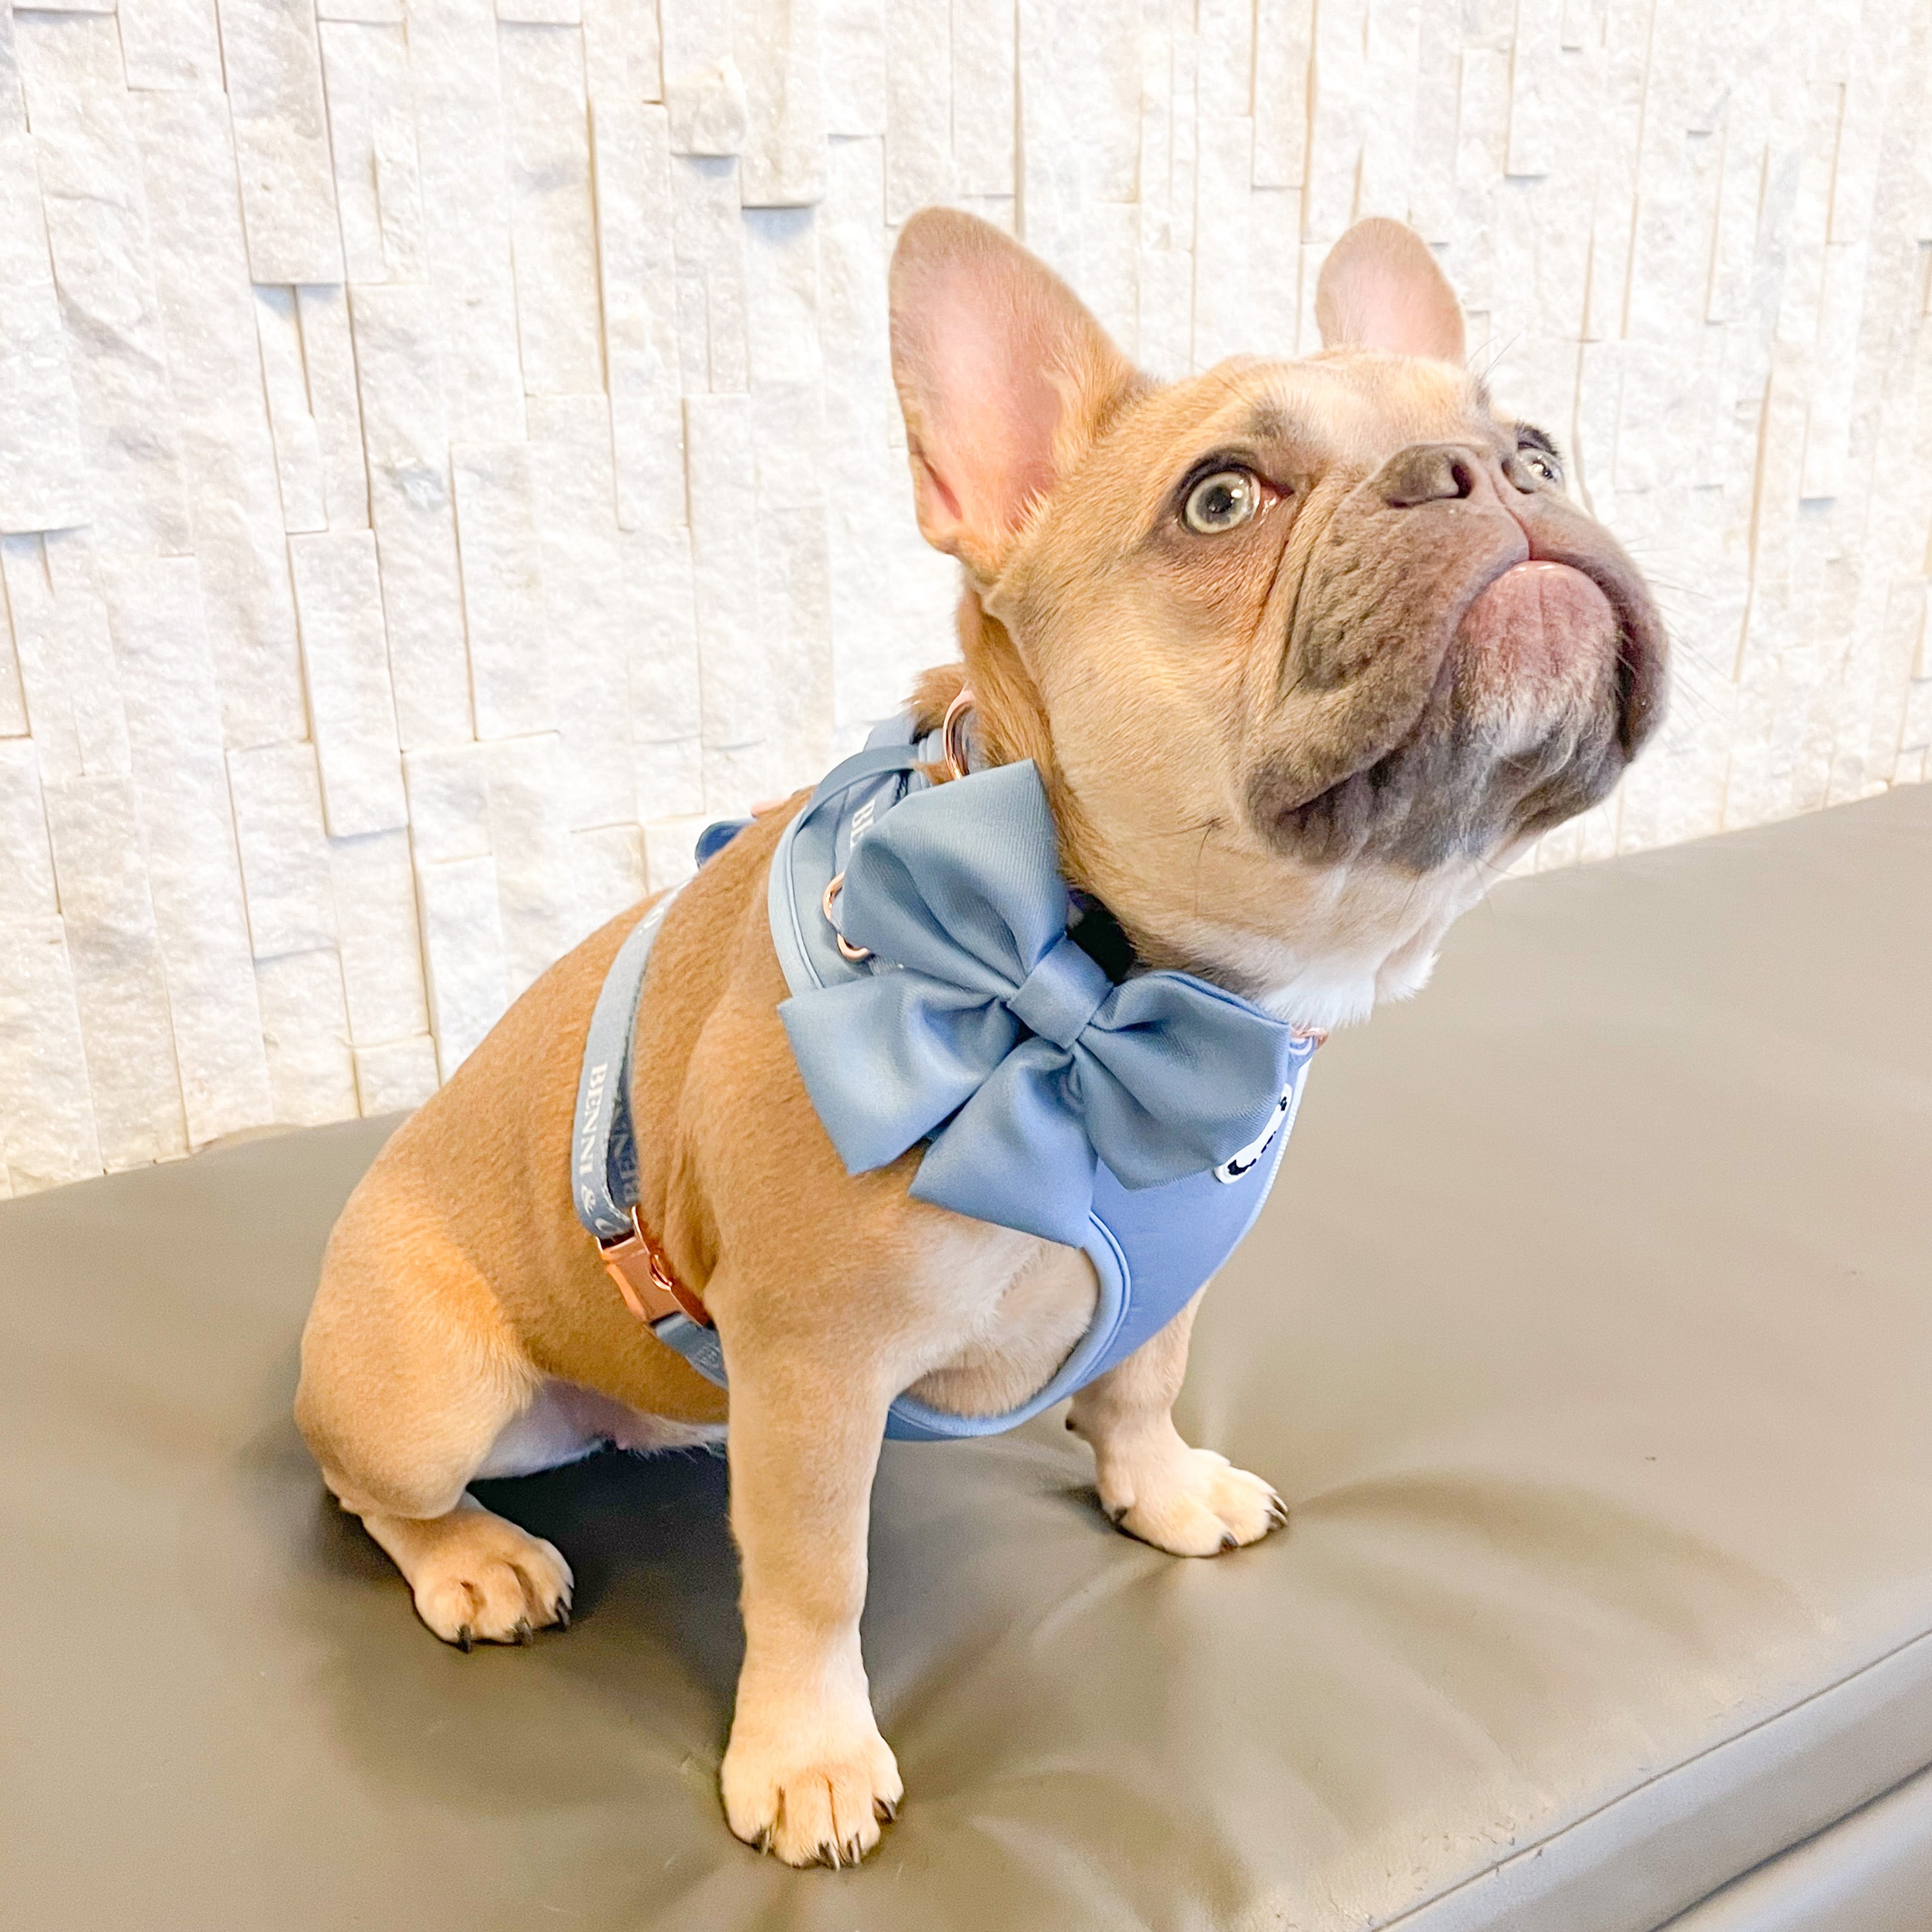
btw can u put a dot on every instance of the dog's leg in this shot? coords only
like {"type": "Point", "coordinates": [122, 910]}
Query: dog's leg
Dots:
{"type": "Point", "coordinates": [1190, 1502]}
{"type": "Point", "coordinates": [409, 1377]}
{"type": "Point", "coordinates": [807, 1775]}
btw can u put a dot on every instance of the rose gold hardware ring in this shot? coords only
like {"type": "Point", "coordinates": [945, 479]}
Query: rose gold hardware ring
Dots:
{"type": "Point", "coordinates": [847, 950]}
{"type": "Point", "coordinates": [952, 732]}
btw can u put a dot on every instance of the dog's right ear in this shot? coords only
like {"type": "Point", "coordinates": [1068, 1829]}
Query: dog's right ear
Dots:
{"type": "Point", "coordinates": [1382, 288]}
{"type": "Point", "coordinates": [1004, 375]}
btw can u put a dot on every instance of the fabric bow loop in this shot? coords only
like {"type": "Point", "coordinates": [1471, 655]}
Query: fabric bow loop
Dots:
{"type": "Point", "coordinates": [1061, 994]}
{"type": "Point", "coordinates": [984, 1026]}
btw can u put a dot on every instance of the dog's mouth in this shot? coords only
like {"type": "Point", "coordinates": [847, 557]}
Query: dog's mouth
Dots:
{"type": "Point", "coordinates": [1545, 678]}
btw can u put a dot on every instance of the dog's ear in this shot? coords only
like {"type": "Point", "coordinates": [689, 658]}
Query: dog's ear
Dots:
{"type": "Point", "coordinates": [1381, 288]}
{"type": "Point", "coordinates": [1004, 378]}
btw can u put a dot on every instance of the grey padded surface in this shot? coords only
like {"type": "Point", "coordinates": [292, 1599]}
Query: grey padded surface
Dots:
{"type": "Point", "coordinates": [1589, 1334]}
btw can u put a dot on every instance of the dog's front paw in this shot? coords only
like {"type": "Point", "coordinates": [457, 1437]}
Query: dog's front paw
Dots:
{"type": "Point", "coordinates": [813, 1796]}
{"type": "Point", "coordinates": [1191, 1503]}
{"type": "Point", "coordinates": [477, 1579]}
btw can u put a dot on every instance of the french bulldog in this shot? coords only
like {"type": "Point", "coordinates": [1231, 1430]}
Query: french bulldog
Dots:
{"type": "Point", "coordinates": [1303, 651]}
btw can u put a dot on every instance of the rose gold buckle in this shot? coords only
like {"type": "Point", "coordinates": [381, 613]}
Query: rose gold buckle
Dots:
{"type": "Point", "coordinates": [1318, 1034]}
{"type": "Point", "coordinates": [645, 1278]}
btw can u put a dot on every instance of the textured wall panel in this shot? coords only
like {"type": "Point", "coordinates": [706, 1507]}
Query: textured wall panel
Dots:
{"type": "Point", "coordinates": [448, 448]}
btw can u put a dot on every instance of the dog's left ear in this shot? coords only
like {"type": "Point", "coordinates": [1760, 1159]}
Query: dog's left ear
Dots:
{"type": "Point", "coordinates": [1381, 288]}
{"type": "Point", "coordinates": [1004, 375]}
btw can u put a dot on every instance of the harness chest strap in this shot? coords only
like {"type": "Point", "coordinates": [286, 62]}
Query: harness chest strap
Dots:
{"type": "Point", "coordinates": [603, 1159]}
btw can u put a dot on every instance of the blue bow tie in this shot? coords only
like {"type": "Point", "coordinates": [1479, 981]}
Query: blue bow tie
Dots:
{"type": "Point", "coordinates": [985, 1027]}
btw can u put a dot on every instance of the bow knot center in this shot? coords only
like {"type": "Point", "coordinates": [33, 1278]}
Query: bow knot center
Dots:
{"type": "Point", "coordinates": [1061, 994]}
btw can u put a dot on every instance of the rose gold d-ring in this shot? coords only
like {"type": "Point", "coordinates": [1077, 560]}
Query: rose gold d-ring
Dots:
{"type": "Point", "coordinates": [847, 950]}
{"type": "Point", "coordinates": [952, 733]}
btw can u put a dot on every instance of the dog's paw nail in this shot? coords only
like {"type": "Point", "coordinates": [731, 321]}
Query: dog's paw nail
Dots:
{"type": "Point", "coordinates": [465, 1641]}
{"type": "Point", "coordinates": [563, 1613]}
{"type": "Point", "coordinates": [887, 1810]}
{"type": "Point", "coordinates": [523, 1633]}
{"type": "Point", "coordinates": [1231, 1541]}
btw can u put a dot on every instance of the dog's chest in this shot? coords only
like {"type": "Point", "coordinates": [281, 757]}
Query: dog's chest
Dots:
{"type": "Point", "coordinates": [1016, 1317]}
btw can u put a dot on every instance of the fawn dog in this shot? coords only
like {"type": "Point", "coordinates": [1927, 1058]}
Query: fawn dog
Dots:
{"type": "Point", "coordinates": [1301, 650]}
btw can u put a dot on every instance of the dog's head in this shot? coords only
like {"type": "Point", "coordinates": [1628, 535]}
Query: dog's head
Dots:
{"type": "Point", "coordinates": [1304, 649]}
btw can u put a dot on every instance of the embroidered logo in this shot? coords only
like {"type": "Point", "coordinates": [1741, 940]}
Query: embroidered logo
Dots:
{"type": "Point", "coordinates": [586, 1127]}
{"type": "Point", "coordinates": [1238, 1166]}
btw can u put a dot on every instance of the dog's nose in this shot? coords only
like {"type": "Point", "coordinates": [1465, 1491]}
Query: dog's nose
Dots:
{"type": "Point", "coordinates": [1429, 473]}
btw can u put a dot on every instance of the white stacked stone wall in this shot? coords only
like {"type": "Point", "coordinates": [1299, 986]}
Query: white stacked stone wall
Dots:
{"type": "Point", "coordinates": [448, 454]}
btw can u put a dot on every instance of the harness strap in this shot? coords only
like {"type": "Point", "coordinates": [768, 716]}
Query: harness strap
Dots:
{"type": "Point", "coordinates": [604, 1159]}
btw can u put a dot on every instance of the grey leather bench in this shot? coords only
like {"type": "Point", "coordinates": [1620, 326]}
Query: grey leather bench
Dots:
{"type": "Point", "coordinates": [1589, 1334]}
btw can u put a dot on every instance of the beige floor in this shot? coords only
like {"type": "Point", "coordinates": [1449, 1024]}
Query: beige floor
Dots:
{"type": "Point", "coordinates": [1588, 1333]}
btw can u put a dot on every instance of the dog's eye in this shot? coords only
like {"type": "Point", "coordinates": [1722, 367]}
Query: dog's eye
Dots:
{"type": "Point", "coordinates": [1222, 502]}
{"type": "Point", "coordinates": [1541, 463]}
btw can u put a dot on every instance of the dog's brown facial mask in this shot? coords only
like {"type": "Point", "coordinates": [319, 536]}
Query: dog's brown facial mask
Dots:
{"type": "Point", "coordinates": [1312, 643]}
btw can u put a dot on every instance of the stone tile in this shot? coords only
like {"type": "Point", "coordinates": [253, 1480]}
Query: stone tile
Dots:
{"type": "Point", "coordinates": [592, 629]}
{"type": "Point", "coordinates": [277, 800]}
{"type": "Point", "coordinates": [707, 238]}
{"type": "Point", "coordinates": [463, 945]}
{"type": "Point", "coordinates": [68, 678]}
{"type": "Point", "coordinates": [779, 47]}
{"type": "Point", "coordinates": [170, 44]}
{"type": "Point", "coordinates": [26, 863]}
{"type": "Point", "coordinates": [536, 879]}
{"type": "Point", "coordinates": [449, 803]}
{"type": "Point", "coordinates": [13, 104]}
{"type": "Point", "coordinates": [43, 483]}
{"type": "Point", "coordinates": [608, 866]}
{"type": "Point", "coordinates": [329, 360]}
{"type": "Point", "coordinates": [1284, 35]}
{"type": "Point", "coordinates": [120, 980]}
{"type": "Point", "coordinates": [553, 225]}
{"type": "Point", "coordinates": [396, 1077]}
{"type": "Point", "coordinates": [918, 106]}
{"type": "Point", "coordinates": [665, 731]}
{"type": "Point", "coordinates": [305, 1037]}
{"type": "Point", "coordinates": [299, 464]}
{"type": "Point", "coordinates": [854, 37]}
{"type": "Point", "coordinates": [466, 199]}
{"type": "Point", "coordinates": [97, 216]}
{"type": "Point", "coordinates": [984, 92]}
{"type": "Point", "coordinates": [273, 68]}
{"type": "Point", "coordinates": [367, 67]}
{"type": "Point", "coordinates": [12, 694]}
{"type": "Point", "coordinates": [406, 432]}
{"type": "Point", "coordinates": [345, 663]}
{"type": "Point", "coordinates": [782, 281]}
{"type": "Point", "coordinates": [47, 1133]}
{"type": "Point", "coordinates": [215, 367]}
{"type": "Point", "coordinates": [379, 939]}
{"type": "Point", "coordinates": [671, 850]}
{"type": "Point", "coordinates": [637, 270]}
{"type": "Point", "coordinates": [167, 675]}
{"type": "Point", "coordinates": [503, 607]}
{"type": "Point", "coordinates": [623, 53]}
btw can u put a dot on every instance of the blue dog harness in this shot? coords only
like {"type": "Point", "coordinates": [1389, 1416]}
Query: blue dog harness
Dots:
{"type": "Point", "coordinates": [1142, 1118]}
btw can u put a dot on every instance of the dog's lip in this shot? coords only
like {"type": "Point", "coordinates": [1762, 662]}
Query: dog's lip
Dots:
{"type": "Point", "coordinates": [1636, 659]}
